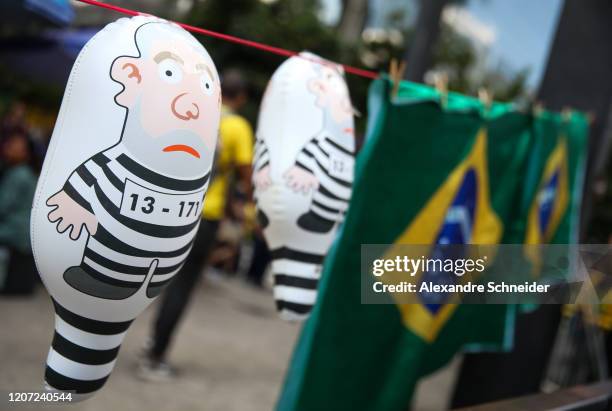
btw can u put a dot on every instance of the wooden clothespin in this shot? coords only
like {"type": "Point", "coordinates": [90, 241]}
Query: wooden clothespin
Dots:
{"type": "Point", "coordinates": [396, 72]}
{"type": "Point", "coordinates": [538, 108]}
{"type": "Point", "coordinates": [590, 116]}
{"type": "Point", "coordinates": [441, 84]}
{"type": "Point", "coordinates": [486, 98]}
{"type": "Point", "coordinates": [566, 114]}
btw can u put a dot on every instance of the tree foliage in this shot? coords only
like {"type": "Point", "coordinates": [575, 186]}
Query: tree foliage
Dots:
{"type": "Point", "coordinates": [290, 24]}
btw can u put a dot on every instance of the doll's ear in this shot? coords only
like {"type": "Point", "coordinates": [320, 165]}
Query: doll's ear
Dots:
{"type": "Point", "coordinates": [316, 86]}
{"type": "Point", "coordinates": [127, 71]}
{"type": "Point", "coordinates": [319, 89]}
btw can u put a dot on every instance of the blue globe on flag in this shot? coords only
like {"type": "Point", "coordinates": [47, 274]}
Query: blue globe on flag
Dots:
{"type": "Point", "coordinates": [456, 228]}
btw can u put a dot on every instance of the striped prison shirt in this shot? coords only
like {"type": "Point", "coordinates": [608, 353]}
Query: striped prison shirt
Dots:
{"type": "Point", "coordinates": [146, 221]}
{"type": "Point", "coordinates": [262, 156]}
{"type": "Point", "coordinates": [332, 163]}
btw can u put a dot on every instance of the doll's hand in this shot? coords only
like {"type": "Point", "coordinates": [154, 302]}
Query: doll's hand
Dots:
{"type": "Point", "coordinates": [301, 180]}
{"type": "Point", "coordinates": [69, 215]}
{"type": "Point", "coordinates": [261, 178]}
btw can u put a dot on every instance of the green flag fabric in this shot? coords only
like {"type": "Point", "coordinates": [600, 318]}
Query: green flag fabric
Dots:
{"type": "Point", "coordinates": [553, 188]}
{"type": "Point", "coordinates": [427, 158]}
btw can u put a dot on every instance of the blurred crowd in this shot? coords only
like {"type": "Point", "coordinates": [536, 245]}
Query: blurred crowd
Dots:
{"type": "Point", "coordinates": [20, 155]}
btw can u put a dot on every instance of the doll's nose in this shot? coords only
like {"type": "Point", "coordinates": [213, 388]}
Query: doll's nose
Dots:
{"type": "Point", "coordinates": [185, 108]}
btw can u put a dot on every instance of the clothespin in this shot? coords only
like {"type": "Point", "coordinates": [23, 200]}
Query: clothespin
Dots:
{"type": "Point", "coordinates": [590, 116]}
{"type": "Point", "coordinates": [538, 108]}
{"type": "Point", "coordinates": [441, 84]}
{"type": "Point", "coordinates": [396, 72]}
{"type": "Point", "coordinates": [486, 98]}
{"type": "Point", "coordinates": [566, 114]}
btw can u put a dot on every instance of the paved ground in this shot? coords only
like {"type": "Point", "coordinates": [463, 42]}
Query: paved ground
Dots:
{"type": "Point", "coordinates": [232, 352]}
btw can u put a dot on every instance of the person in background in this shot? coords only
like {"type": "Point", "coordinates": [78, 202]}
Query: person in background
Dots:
{"type": "Point", "coordinates": [261, 259]}
{"type": "Point", "coordinates": [14, 119]}
{"type": "Point", "coordinates": [232, 162]}
{"type": "Point", "coordinates": [17, 187]}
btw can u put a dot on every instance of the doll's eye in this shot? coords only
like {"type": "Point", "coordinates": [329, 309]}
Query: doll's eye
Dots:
{"type": "Point", "coordinates": [208, 87]}
{"type": "Point", "coordinates": [169, 71]}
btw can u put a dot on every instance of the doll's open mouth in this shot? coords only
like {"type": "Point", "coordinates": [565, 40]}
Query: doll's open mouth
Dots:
{"type": "Point", "coordinates": [184, 148]}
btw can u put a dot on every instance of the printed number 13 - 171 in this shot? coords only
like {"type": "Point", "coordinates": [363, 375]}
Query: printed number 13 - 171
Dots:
{"type": "Point", "coordinates": [186, 208]}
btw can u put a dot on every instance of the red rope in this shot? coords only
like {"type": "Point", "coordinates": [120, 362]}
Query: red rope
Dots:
{"type": "Point", "coordinates": [249, 43]}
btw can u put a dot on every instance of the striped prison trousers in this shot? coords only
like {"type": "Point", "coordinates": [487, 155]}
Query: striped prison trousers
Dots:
{"type": "Point", "coordinates": [83, 351]}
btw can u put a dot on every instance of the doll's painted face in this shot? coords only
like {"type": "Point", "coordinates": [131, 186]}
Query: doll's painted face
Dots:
{"type": "Point", "coordinates": [332, 94]}
{"type": "Point", "coordinates": [172, 93]}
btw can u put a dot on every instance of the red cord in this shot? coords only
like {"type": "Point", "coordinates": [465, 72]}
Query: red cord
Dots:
{"type": "Point", "coordinates": [233, 39]}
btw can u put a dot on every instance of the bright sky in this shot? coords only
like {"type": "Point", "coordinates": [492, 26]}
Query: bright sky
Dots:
{"type": "Point", "coordinates": [523, 31]}
{"type": "Point", "coordinates": [517, 32]}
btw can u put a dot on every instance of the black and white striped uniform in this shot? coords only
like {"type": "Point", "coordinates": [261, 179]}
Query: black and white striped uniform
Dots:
{"type": "Point", "coordinates": [332, 163]}
{"type": "Point", "coordinates": [261, 160]}
{"type": "Point", "coordinates": [82, 367]}
{"type": "Point", "coordinates": [146, 221]}
{"type": "Point", "coordinates": [297, 272]}
{"type": "Point", "coordinates": [296, 279]}
{"type": "Point", "coordinates": [145, 230]}
{"type": "Point", "coordinates": [262, 156]}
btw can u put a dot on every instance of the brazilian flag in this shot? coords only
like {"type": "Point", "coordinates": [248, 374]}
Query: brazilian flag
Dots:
{"type": "Point", "coordinates": [549, 208]}
{"type": "Point", "coordinates": [554, 182]}
{"type": "Point", "coordinates": [433, 170]}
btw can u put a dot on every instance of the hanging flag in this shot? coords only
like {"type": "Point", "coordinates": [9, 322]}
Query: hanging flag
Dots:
{"type": "Point", "coordinates": [556, 176]}
{"type": "Point", "coordinates": [458, 213]}
{"type": "Point", "coordinates": [550, 202]}
{"type": "Point", "coordinates": [426, 175]}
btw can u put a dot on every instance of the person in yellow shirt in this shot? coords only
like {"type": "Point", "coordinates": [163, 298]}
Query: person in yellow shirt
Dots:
{"type": "Point", "coordinates": [232, 163]}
